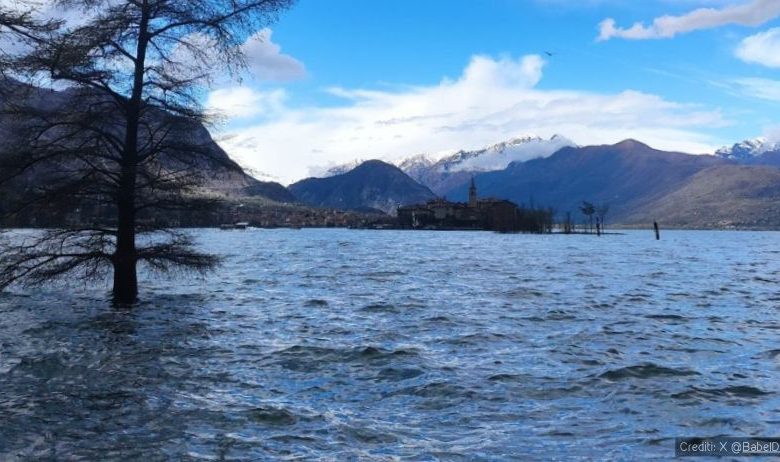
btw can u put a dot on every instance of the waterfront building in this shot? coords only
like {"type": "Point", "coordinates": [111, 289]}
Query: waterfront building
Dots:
{"type": "Point", "coordinates": [477, 214]}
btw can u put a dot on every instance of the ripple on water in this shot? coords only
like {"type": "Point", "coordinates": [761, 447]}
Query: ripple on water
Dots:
{"type": "Point", "coordinates": [645, 371]}
{"type": "Point", "coordinates": [666, 317]}
{"type": "Point", "coordinates": [314, 358]}
{"type": "Point", "coordinates": [271, 415]}
{"type": "Point", "coordinates": [398, 374]}
{"type": "Point", "coordinates": [380, 308]}
{"type": "Point", "coordinates": [713, 394]}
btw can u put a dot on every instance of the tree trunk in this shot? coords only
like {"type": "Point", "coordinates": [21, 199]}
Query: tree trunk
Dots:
{"type": "Point", "coordinates": [125, 257]}
{"type": "Point", "coordinates": [125, 282]}
{"type": "Point", "coordinates": [125, 278]}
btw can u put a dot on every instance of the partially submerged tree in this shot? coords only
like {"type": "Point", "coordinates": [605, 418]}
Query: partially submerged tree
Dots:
{"type": "Point", "coordinates": [588, 210]}
{"type": "Point", "coordinates": [601, 213]}
{"type": "Point", "coordinates": [568, 224]}
{"type": "Point", "coordinates": [116, 140]}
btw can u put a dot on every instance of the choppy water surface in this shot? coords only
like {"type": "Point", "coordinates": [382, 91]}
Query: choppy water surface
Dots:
{"type": "Point", "coordinates": [383, 345]}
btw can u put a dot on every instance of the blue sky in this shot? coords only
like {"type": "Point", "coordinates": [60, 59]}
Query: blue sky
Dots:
{"type": "Point", "coordinates": [339, 80]}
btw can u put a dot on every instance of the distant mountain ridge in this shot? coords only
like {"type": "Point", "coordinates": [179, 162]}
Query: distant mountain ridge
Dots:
{"type": "Point", "coordinates": [627, 175]}
{"type": "Point", "coordinates": [445, 174]}
{"type": "Point", "coordinates": [722, 196]}
{"type": "Point", "coordinates": [442, 173]}
{"type": "Point", "coordinates": [640, 184]}
{"type": "Point", "coordinates": [738, 186]}
{"type": "Point", "coordinates": [756, 151]}
{"type": "Point", "coordinates": [495, 157]}
{"type": "Point", "coordinates": [371, 185]}
{"type": "Point", "coordinates": [340, 169]}
{"type": "Point", "coordinates": [748, 149]}
{"type": "Point", "coordinates": [222, 175]}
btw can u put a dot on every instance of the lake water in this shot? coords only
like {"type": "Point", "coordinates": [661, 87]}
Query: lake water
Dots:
{"type": "Point", "coordinates": [383, 345]}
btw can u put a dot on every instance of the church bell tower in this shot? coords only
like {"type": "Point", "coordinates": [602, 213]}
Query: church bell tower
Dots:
{"type": "Point", "coordinates": [472, 194]}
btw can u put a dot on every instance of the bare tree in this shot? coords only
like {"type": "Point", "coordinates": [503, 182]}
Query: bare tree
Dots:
{"type": "Point", "coordinates": [601, 214]}
{"type": "Point", "coordinates": [568, 224]}
{"type": "Point", "coordinates": [118, 139]}
{"type": "Point", "coordinates": [588, 210]}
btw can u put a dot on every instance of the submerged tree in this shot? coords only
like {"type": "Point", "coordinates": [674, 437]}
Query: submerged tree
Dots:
{"type": "Point", "coordinates": [601, 213]}
{"type": "Point", "coordinates": [588, 210]}
{"type": "Point", "coordinates": [116, 146]}
{"type": "Point", "coordinates": [568, 224]}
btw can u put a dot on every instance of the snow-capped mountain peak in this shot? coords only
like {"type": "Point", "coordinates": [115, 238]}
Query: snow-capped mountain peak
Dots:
{"type": "Point", "coordinates": [494, 157]}
{"type": "Point", "coordinates": [333, 170]}
{"type": "Point", "coordinates": [416, 161]}
{"type": "Point", "coordinates": [748, 149]}
{"type": "Point", "coordinates": [500, 155]}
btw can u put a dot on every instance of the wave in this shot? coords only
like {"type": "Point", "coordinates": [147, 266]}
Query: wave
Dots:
{"type": "Point", "coordinates": [734, 391]}
{"type": "Point", "coordinates": [646, 371]}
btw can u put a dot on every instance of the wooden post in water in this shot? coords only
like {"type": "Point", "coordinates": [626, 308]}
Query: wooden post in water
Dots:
{"type": "Point", "coordinates": [657, 231]}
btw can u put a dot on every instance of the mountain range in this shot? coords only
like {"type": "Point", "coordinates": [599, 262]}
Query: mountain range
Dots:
{"type": "Point", "coordinates": [723, 196]}
{"type": "Point", "coordinates": [222, 176]}
{"type": "Point", "coordinates": [738, 186]}
{"type": "Point", "coordinates": [627, 176]}
{"type": "Point", "coordinates": [371, 186]}
{"type": "Point", "coordinates": [756, 151]}
{"type": "Point", "coordinates": [452, 171]}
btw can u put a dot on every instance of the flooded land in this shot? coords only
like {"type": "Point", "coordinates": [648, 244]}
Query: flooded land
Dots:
{"type": "Point", "coordinates": [385, 345]}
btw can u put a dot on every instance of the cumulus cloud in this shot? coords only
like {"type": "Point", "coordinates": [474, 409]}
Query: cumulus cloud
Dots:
{"type": "Point", "coordinates": [525, 72]}
{"type": "Point", "coordinates": [267, 62]}
{"type": "Point", "coordinates": [264, 58]}
{"type": "Point", "coordinates": [493, 100]}
{"type": "Point", "coordinates": [753, 13]}
{"type": "Point", "coordinates": [242, 102]}
{"type": "Point", "coordinates": [762, 48]}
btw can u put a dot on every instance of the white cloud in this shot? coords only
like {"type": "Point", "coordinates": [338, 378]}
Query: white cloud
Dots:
{"type": "Point", "coordinates": [264, 58]}
{"type": "Point", "coordinates": [761, 88]}
{"type": "Point", "coordinates": [49, 9]}
{"type": "Point", "coordinates": [241, 102]}
{"type": "Point", "coordinates": [762, 48]}
{"type": "Point", "coordinates": [624, 3]}
{"type": "Point", "coordinates": [499, 156]}
{"type": "Point", "coordinates": [484, 70]}
{"type": "Point", "coordinates": [41, 9]}
{"type": "Point", "coordinates": [267, 62]}
{"type": "Point", "coordinates": [753, 13]}
{"type": "Point", "coordinates": [772, 134]}
{"type": "Point", "coordinates": [494, 100]}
